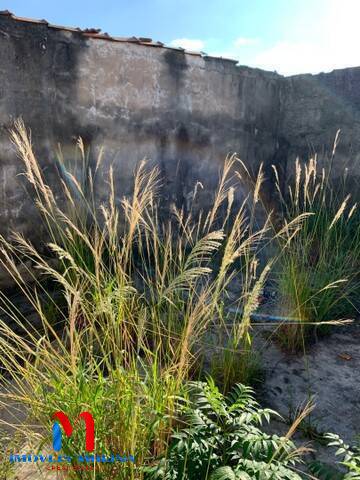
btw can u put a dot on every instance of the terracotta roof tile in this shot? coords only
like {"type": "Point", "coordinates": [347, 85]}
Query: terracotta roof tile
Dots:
{"type": "Point", "coordinates": [97, 34]}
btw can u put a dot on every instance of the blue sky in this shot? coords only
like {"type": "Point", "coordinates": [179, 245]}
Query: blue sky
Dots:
{"type": "Point", "coordinates": [289, 36]}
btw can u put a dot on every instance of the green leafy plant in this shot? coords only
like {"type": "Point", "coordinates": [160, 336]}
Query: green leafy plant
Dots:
{"type": "Point", "coordinates": [223, 439]}
{"type": "Point", "coordinates": [324, 471]}
{"type": "Point", "coordinates": [351, 456]}
{"type": "Point", "coordinates": [349, 466]}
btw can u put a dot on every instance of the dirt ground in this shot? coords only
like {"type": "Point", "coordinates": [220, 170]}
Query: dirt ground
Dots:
{"type": "Point", "coordinates": [329, 373]}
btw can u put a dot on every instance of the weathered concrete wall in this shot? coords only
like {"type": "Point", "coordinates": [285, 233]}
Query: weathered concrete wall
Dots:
{"type": "Point", "coordinates": [313, 108]}
{"type": "Point", "coordinates": [184, 112]}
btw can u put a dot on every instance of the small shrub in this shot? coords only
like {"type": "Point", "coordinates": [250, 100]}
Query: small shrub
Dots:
{"type": "Point", "coordinates": [223, 439]}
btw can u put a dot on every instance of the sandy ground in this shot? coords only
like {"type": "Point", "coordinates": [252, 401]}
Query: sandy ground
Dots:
{"type": "Point", "coordinates": [329, 373]}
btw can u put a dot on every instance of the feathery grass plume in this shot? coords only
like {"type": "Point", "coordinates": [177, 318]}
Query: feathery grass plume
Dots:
{"type": "Point", "coordinates": [352, 211]}
{"type": "Point", "coordinates": [137, 295]}
{"type": "Point", "coordinates": [318, 276]}
{"type": "Point", "coordinates": [339, 212]}
{"type": "Point", "coordinates": [225, 186]}
{"type": "Point", "coordinates": [300, 416]}
{"type": "Point", "coordinates": [243, 243]}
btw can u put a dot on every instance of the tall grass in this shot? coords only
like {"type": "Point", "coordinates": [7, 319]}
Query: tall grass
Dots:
{"type": "Point", "coordinates": [318, 276]}
{"type": "Point", "coordinates": [138, 290]}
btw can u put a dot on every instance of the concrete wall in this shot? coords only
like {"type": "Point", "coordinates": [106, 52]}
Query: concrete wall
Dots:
{"type": "Point", "coordinates": [313, 108]}
{"type": "Point", "coordinates": [182, 111]}
{"type": "Point", "coordinates": [138, 99]}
